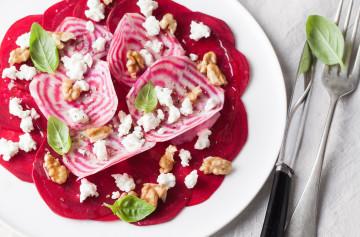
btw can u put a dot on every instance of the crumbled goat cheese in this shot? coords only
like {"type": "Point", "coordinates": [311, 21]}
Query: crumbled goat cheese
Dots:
{"type": "Point", "coordinates": [16, 109]}
{"type": "Point", "coordinates": [124, 182]}
{"type": "Point", "coordinates": [11, 85]}
{"type": "Point", "coordinates": [210, 104]}
{"type": "Point", "coordinates": [90, 26]}
{"type": "Point", "coordinates": [185, 157]}
{"type": "Point", "coordinates": [164, 96]}
{"type": "Point", "coordinates": [174, 114]}
{"type": "Point", "coordinates": [125, 125]}
{"type": "Point", "coordinates": [100, 151]}
{"type": "Point", "coordinates": [191, 179]}
{"type": "Point", "coordinates": [203, 140]}
{"type": "Point", "coordinates": [10, 73]}
{"type": "Point", "coordinates": [75, 66]}
{"type": "Point", "coordinates": [154, 46]}
{"type": "Point", "coordinates": [26, 143]}
{"type": "Point", "coordinates": [121, 116]}
{"type": "Point", "coordinates": [83, 85]}
{"type": "Point", "coordinates": [23, 41]}
{"type": "Point", "coordinates": [147, 7]}
{"type": "Point", "coordinates": [82, 151]}
{"type": "Point", "coordinates": [167, 179]}
{"type": "Point", "coordinates": [34, 114]}
{"type": "Point", "coordinates": [87, 189]}
{"type": "Point", "coordinates": [99, 44]}
{"type": "Point", "coordinates": [161, 130]}
{"type": "Point", "coordinates": [134, 141]}
{"type": "Point", "coordinates": [115, 195]}
{"type": "Point", "coordinates": [160, 114]}
{"type": "Point", "coordinates": [26, 124]}
{"type": "Point", "coordinates": [199, 30]}
{"type": "Point", "coordinates": [96, 10]}
{"type": "Point", "coordinates": [148, 58]}
{"type": "Point", "coordinates": [151, 26]}
{"type": "Point", "coordinates": [88, 60]}
{"type": "Point", "coordinates": [193, 57]}
{"type": "Point", "coordinates": [8, 149]}
{"type": "Point", "coordinates": [149, 121]}
{"type": "Point", "coordinates": [78, 115]}
{"type": "Point", "coordinates": [26, 73]}
{"type": "Point", "coordinates": [186, 107]}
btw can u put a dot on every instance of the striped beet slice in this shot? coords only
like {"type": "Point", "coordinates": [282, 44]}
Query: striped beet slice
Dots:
{"type": "Point", "coordinates": [100, 103]}
{"type": "Point", "coordinates": [85, 165]}
{"type": "Point", "coordinates": [84, 38]}
{"type": "Point", "coordinates": [131, 35]}
{"type": "Point", "coordinates": [181, 76]}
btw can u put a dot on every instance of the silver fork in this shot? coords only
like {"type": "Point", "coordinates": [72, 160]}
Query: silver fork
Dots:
{"type": "Point", "coordinates": [338, 84]}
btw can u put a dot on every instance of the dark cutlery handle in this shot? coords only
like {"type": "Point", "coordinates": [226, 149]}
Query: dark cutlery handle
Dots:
{"type": "Point", "coordinates": [275, 218]}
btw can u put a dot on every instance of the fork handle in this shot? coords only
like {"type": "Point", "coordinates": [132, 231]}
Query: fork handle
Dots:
{"type": "Point", "coordinates": [274, 223]}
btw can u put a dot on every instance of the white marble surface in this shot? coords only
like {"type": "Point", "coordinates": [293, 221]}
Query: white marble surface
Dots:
{"type": "Point", "coordinates": [284, 23]}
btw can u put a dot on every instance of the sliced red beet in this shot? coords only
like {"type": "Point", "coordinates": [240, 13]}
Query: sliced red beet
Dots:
{"type": "Point", "coordinates": [20, 27]}
{"type": "Point", "coordinates": [54, 15]}
{"type": "Point", "coordinates": [81, 7]}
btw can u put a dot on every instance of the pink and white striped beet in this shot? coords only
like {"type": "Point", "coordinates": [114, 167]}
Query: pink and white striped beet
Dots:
{"type": "Point", "coordinates": [180, 74]}
{"type": "Point", "coordinates": [131, 35]}
{"type": "Point", "coordinates": [100, 103]}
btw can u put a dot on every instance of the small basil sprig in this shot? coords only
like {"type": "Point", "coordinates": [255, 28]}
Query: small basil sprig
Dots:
{"type": "Point", "coordinates": [325, 40]}
{"type": "Point", "coordinates": [58, 136]}
{"type": "Point", "coordinates": [131, 208]}
{"type": "Point", "coordinates": [146, 100]}
{"type": "Point", "coordinates": [43, 51]}
{"type": "Point", "coordinates": [305, 61]}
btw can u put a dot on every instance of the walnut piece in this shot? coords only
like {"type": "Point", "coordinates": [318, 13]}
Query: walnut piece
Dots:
{"type": "Point", "coordinates": [97, 134]}
{"type": "Point", "coordinates": [167, 160]}
{"type": "Point", "coordinates": [209, 58]}
{"type": "Point", "coordinates": [129, 193]}
{"type": "Point", "coordinates": [19, 55]}
{"type": "Point", "coordinates": [135, 62]}
{"type": "Point", "coordinates": [214, 74]}
{"type": "Point", "coordinates": [61, 37]}
{"type": "Point", "coordinates": [70, 92]}
{"type": "Point", "coordinates": [151, 193]}
{"type": "Point", "coordinates": [168, 22]}
{"type": "Point", "coordinates": [215, 165]}
{"type": "Point", "coordinates": [107, 2]}
{"type": "Point", "coordinates": [192, 95]}
{"type": "Point", "coordinates": [57, 172]}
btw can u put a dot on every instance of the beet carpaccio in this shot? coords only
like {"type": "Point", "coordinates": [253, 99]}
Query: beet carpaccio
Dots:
{"type": "Point", "coordinates": [123, 109]}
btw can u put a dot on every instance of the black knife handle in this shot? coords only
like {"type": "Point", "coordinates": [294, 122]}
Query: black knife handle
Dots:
{"type": "Point", "coordinates": [275, 218]}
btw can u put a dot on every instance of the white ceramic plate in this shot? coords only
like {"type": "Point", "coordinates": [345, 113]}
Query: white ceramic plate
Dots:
{"type": "Point", "coordinates": [265, 101]}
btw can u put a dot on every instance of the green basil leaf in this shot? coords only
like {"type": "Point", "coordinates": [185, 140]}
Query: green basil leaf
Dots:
{"type": "Point", "coordinates": [43, 51]}
{"type": "Point", "coordinates": [146, 100]}
{"type": "Point", "coordinates": [131, 208]}
{"type": "Point", "coordinates": [306, 60]}
{"type": "Point", "coordinates": [58, 136]}
{"type": "Point", "coordinates": [325, 40]}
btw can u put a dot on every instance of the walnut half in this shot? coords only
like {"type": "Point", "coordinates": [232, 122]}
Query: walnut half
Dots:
{"type": "Point", "coordinates": [19, 55]}
{"type": "Point", "coordinates": [70, 92]}
{"type": "Point", "coordinates": [151, 193]}
{"type": "Point", "coordinates": [168, 22]}
{"type": "Point", "coordinates": [57, 172]}
{"type": "Point", "coordinates": [193, 94]}
{"type": "Point", "coordinates": [61, 37]}
{"type": "Point", "coordinates": [97, 134]}
{"type": "Point", "coordinates": [167, 160]}
{"type": "Point", "coordinates": [129, 193]}
{"type": "Point", "coordinates": [215, 165]}
{"type": "Point", "coordinates": [209, 66]}
{"type": "Point", "coordinates": [135, 62]}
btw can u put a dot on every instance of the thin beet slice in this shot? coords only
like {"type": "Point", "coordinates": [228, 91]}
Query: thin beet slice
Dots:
{"type": "Point", "coordinates": [20, 27]}
{"type": "Point", "coordinates": [81, 7]}
{"type": "Point", "coordinates": [21, 164]}
{"type": "Point", "coordinates": [54, 15]}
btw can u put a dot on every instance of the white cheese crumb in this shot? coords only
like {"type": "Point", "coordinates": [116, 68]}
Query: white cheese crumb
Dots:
{"type": "Point", "coordinates": [151, 26]}
{"type": "Point", "coordinates": [147, 7]}
{"type": "Point", "coordinates": [100, 150]}
{"type": "Point", "coordinates": [99, 44]}
{"type": "Point", "coordinates": [23, 41]}
{"type": "Point", "coordinates": [149, 121]}
{"type": "Point", "coordinates": [134, 141]}
{"type": "Point", "coordinates": [26, 143]}
{"type": "Point", "coordinates": [9, 73]}
{"type": "Point", "coordinates": [167, 179]}
{"type": "Point", "coordinates": [194, 57]}
{"type": "Point", "coordinates": [78, 115]}
{"type": "Point", "coordinates": [87, 189]}
{"type": "Point", "coordinates": [88, 60]}
{"type": "Point", "coordinates": [83, 85]}
{"type": "Point", "coordinates": [26, 124]}
{"type": "Point", "coordinates": [90, 26]}
{"type": "Point", "coordinates": [26, 73]}
{"type": "Point", "coordinates": [34, 114]}
{"type": "Point", "coordinates": [16, 109]}
{"type": "Point", "coordinates": [96, 10]}
{"type": "Point", "coordinates": [203, 140]}
{"type": "Point", "coordinates": [161, 130]}
{"type": "Point", "coordinates": [11, 85]}
{"type": "Point", "coordinates": [148, 58]}
{"type": "Point", "coordinates": [164, 96]}
{"type": "Point", "coordinates": [154, 46]}
{"type": "Point", "coordinates": [191, 179]}
{"type": "Point", "coordinates": [8, 149]}
{"type": "Point", "coordinates": [160, 114]}
{"type": "Point", "coordinates": [75, 66]}
{"type": "Point", "coordinates": [125, 125]}
{"type": "Point", "coordinates": [82, 151]}
{"type": "Point", "coordinates": [115, 195]}
{"type": "Point", "coordinates": [186, 107]}
{"type": "Point", "coordinates": [121, 116]}
{"type": "Point", "coordinates": [174, 114]}
{"type": "Point", "coordinates": [124, 182]}
{"type": "Point", "coordinates": [185, 157]}
{"type": "Point", "coordinates": [199, 30]}
{"type": "Point", "coordinates": [210, 104]}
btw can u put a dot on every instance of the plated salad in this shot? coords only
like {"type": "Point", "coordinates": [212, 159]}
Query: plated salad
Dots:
{"type": "Point", "coordinates": [121, 109]}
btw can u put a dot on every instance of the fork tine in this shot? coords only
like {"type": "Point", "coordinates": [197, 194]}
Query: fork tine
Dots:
{"type": "Point", "coordinates": [347, 20]}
